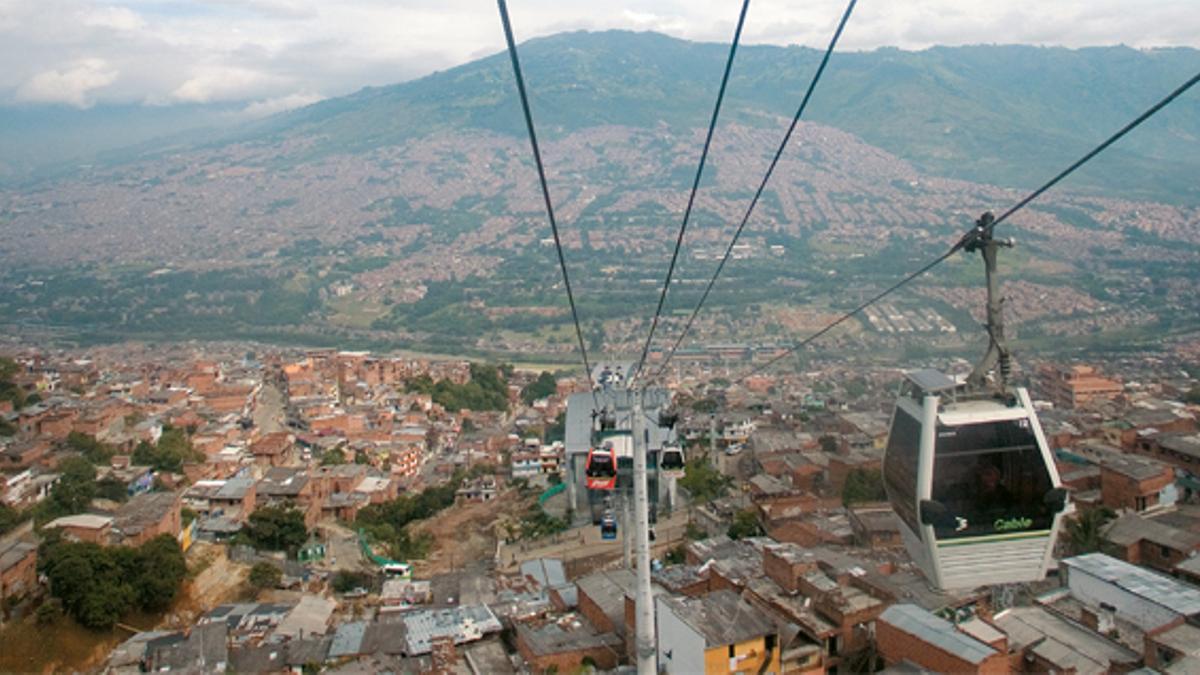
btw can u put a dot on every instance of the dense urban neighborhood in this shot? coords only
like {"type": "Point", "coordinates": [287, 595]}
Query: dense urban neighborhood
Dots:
{"type": "Point", "coordinates": [278, 509]}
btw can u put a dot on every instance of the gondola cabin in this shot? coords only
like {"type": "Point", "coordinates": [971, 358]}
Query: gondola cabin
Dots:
{"type": "Point", "coordinates": [973, 483]}
{"type": "Point", "coordinates": [608, 527]}
{"type": "Point", "coordinates": [601, 468]}
{"type": "Point", "coordinates": [672, 462]}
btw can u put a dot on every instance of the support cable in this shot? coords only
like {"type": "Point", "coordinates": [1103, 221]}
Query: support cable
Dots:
{"type": "Point", "coordinates": [712, 125]}
{"type": "Point", "coordinates": [975, 233]}
{"type": "Point", "coordinates": [537, 158]}
{"type": "Point", "coordinates": [812, 85]}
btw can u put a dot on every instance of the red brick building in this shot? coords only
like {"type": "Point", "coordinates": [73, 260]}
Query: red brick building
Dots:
{"type": "Point", "coordinates": [1135, 483]}
{"type": "Point", "coordinates": [906, 632]}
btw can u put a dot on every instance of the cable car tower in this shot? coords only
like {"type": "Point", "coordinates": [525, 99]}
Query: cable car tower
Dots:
{"type": "Point", "coordinates": [967, 467]}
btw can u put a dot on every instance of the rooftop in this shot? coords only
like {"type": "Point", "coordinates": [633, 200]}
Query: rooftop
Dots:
{"type": "Point", "coordinates": [569, 635]}
{"type": "Point", "coordinates": [722, 618]}
{"type": "Point", "coordinates": [1137, 468]}
{"type": "Point", "coordinates": [1063, 643]}
{"type": "Point", "coordinates": [1131, 528]}
{"type": "Point", "coordinates": [1161, 590]}
{"type": "Point", "coordinates": [937, 632]}
{"type": "Point", "coordinates": [145, 510]}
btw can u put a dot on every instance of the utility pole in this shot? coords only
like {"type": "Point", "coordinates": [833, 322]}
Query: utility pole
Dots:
{"type": "Point", "coordinates": [712, 440]}
{"type": "Point", "coordinates": [646, 651]}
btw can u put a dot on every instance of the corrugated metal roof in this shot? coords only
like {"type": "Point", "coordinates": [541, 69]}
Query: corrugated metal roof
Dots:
{"type": "Point", "coordinates": [579, 416]}
{"type": "Point", "coordinates": [347, 641]}
{"type": "Point", "coordinates": [1161, 590]}
{"type": "Point", "coordinates": [937, 632]}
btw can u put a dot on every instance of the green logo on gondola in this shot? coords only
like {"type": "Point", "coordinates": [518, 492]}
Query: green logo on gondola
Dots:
{"type": "Point", "coordinates": [1010, 524]}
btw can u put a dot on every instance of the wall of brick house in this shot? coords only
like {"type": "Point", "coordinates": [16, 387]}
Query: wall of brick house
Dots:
{"type": "Point", "coordinates": [1121, 492]}
{"type": "Point", "coordinates": [895, 645]}
{"type": "Point", "coordinates": [20, 579]}
{"type": "Point", "coordinates": [567, 662]}
{"type": "Point", "coordinates": [590, 609]}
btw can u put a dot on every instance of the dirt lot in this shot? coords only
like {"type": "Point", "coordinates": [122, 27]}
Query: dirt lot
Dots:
{"type": "Point", "coordinates": [466, 532]}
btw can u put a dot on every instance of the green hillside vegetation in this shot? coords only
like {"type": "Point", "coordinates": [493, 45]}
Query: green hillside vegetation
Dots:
{"type": "Point", "coordinates": [1002, 114]}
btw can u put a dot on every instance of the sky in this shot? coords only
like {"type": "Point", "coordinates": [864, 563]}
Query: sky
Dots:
{"type": "Point", "coordinates": [271, 55]}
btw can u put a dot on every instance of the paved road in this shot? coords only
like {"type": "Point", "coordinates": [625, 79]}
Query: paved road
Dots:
{"type": "Point", "coordinates": [269, 412]}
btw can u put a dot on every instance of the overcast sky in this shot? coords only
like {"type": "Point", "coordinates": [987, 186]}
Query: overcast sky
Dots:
{"type": "Point", "coordinates": [269, 55]}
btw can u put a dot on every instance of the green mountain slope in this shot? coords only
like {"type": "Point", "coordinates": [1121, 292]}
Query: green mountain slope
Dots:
{"type": "Point", "coordinates": [1007, 115]}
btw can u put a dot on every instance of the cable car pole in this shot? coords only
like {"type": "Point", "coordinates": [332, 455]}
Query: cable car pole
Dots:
{"type": "Point", "coordinates": [646, 651]}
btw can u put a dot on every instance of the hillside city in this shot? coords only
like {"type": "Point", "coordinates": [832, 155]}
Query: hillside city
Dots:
{"type": "Point", "coordinates": [359, 512]}
{"type": "Point", "coordinates": [368, 338]}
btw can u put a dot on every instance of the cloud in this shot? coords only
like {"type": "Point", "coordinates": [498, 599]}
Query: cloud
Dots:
{"type": "Point", "coordinates": [280, 104]}
{"type": "Point", "coordinates": [261, 52]}
{"type": "Point", "coordinates": [71, 85]}
{"type": "Point", "coordinates": [222, 83]}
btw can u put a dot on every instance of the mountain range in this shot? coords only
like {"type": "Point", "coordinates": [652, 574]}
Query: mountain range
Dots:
{"type": "Point", "coordinates": [407, 215]}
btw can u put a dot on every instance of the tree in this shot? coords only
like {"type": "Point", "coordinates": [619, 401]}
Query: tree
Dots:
{"type": "Point", "coordinates": [545, 385]}
{"type": "Point", "coordinates": [162, 569]}
{"type": "Point", "coordinates": [745, 524]}
{"type": "Point", "coordinates": [98, 585]}
{"type": "Point", "coordinates": [333, 457]}
{"type": "Point", "coordinates": [265, 575]}
{"type": "Point", "coordinates": [112, 489]}
{"type": "Point", "coordinates": [829, 444]}
{"type": "Point", "coordinates": [1085, 532]}
{"type": "Point", "coordinates": [74, 491]}
{"type": "Point", "coordinates": [344, 582]}
{"type": "Point", "coordinates": [277, 529]}
{"type": "Point", "coordinates": [1192, 395]}
{"type": "Point", "coordinates": [863, 485]}
{"type": "Point", "coordinates": [93, 450]}
{"type": "Point", "coordinates": [702, 481]}
{"type": "Point", "coordinates": [10, 518]}
{"type": "Point", "coordinates": [169, 454]}
{"type": "Point", "coordinates": [9, 390]}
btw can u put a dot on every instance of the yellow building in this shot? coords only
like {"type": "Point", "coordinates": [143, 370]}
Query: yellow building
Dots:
{"type": "Point", "coordinates": [718, 633]}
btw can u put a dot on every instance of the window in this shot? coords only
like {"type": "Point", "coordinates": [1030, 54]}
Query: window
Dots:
{"type": "Point", "coordinates": [1139, 503]}
{"type": "Point", "coordinates": [900, 467]}
{"type": "Point", "coordinates": [1165, 552]}
{"type": "Point", "coordinates": [992, 479]}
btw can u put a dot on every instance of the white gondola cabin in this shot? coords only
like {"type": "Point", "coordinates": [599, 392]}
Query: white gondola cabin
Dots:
{"type": "Point", "coordinates": [672, 463]}
{"type": "Point", "coordinates": [967, 468]}
{"type": "Point", "coordinates": [973, 483]}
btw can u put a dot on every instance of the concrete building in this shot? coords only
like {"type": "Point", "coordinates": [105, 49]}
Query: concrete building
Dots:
{"type": "Point", "coordinates": [85, 527]}
{"type": "Point", "coordinates": [715, 633]}
{"type": "Point", "coordinates": [1136, 594]}
{"type": "Point", "coordinates": [1077, 386]}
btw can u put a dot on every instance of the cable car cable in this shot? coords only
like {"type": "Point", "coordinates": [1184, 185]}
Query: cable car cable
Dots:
{"type": "Point", "coordinates": [972, 234]}
{"type": "Point", "coordinates": [537, 158]}
{"type": "Point", "coordinates": [712, 125]}
{"type": "Point", "coordinates": [762, 186]}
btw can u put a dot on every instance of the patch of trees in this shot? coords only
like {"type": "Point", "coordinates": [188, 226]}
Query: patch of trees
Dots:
{"type": "Point", "coordinates": [545, 385]}
{"type": "Point", "coordinates": [536, 523]}
{"type": "Point", "coordinates": [98, 585]}
{"type": "Point", "coordinates": [265, 575]}
{"type": "Point", "coordinates": [745, 524]}
{"type": "Point", "coordinates": [273, 528]}
{"type": "Point", "coordinates": [388, 523]}
{"type": "Point", "coordinates": [94, 451]}
{"type": "Point", "coordinates": [172, 451]}
{"type": "Point", "coordinates": [10, 518]}
{"type": "Point", "coordinates": [1192, 395]}
{"type": "Point", "coordinates": [72, 493]}
{"type": "Point", "coordinates": [9, 390]}
{"type": "Point", "coordinates": [702, 481]}
{"type": "Point", "coordinates": [863, 485]}
{"type": "Point", "coordinates": [487, 390]}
